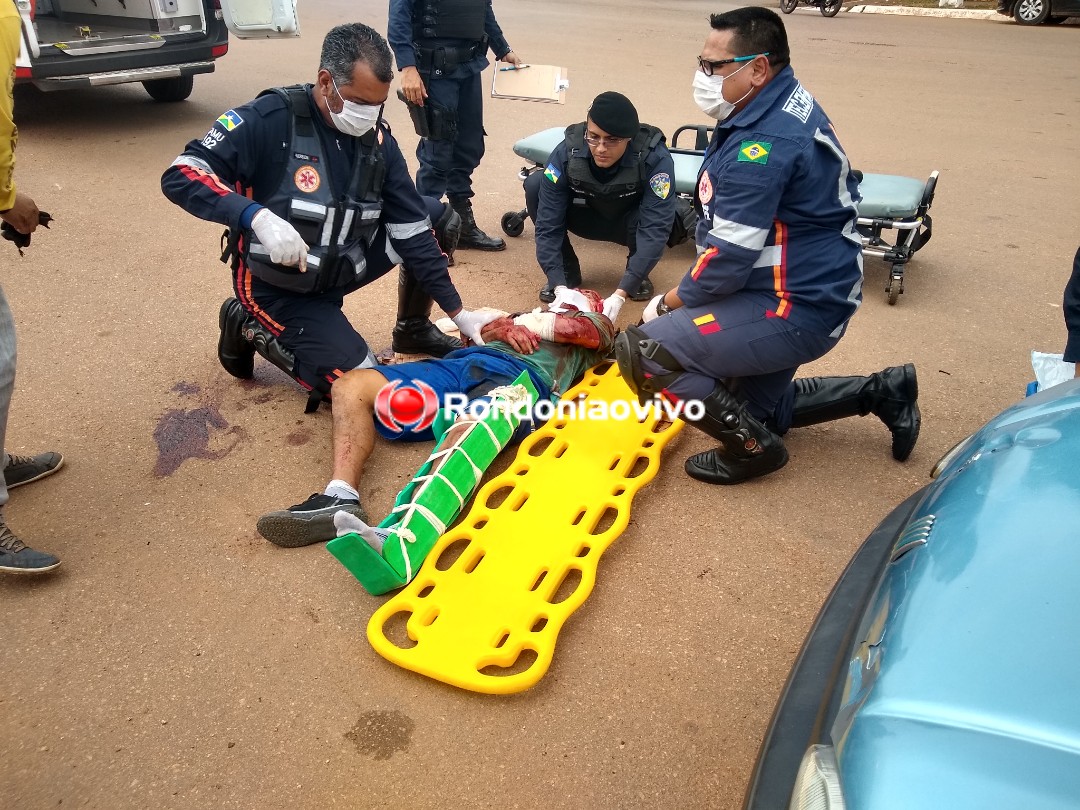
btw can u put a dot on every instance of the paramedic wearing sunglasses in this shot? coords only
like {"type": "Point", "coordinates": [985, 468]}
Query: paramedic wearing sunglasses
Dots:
{"type": "Point", "coordinates": [319, 203]}
{"type": "Point", "coordinates": [441, 48]}
{"type": "Point", "coordinates": [611, 179]}
{"type": "Point", "coordinates": [779, 270]}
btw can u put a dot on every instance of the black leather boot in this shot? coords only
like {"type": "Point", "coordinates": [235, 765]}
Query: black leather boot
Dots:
{"type": "Point", "coordinates": [571, 269]}
{"type": "Point", "coordinates": [471, 235]}
{"type": "Point", "coordinates": [748, 448]}
{"type": "Point", "coordinates": [414, 333]}
{"type": "Point", "coordinates": [890, 395]}
{"type": "Point", "coordinates": [448, 232]}
{"type": "Point", "coordinates": [268, 346]}
{"type": "Point", "coordinates": [235, 352]}
{"type": "Point", "coordinates": [242, 336]}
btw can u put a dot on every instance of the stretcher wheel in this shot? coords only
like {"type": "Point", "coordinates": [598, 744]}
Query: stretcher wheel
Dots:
{"type": "Point", "coordinates": [829, 8]}
{"type": "Point", "coordinates": [513, 223]}
{"type": "Point", "coordinates": [896, 286]}
{"type": "Point", "coordinates": [788, 6]}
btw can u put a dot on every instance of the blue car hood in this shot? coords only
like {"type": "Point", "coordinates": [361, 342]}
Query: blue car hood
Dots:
{"type": "Point", "coordinates": [966, 690]}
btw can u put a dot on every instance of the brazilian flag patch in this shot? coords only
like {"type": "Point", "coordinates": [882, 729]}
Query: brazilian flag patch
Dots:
{"type": "Point", "coordinates": [754, 152]}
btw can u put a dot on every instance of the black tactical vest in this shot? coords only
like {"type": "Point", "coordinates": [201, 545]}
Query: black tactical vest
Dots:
{"type": "Point", "coordinates": [622, 192]}
{"type": "Point", "coordinates": [337, 223]}
{"type": "Point", "coordinates": [449, 19]}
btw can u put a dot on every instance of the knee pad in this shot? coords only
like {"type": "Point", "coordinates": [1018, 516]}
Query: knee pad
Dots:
{"type": "Point", "coordinates": [631, 345]}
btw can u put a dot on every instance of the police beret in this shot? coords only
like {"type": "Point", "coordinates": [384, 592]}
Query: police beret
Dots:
{"type": "Point", "coordinates": [614, 114]}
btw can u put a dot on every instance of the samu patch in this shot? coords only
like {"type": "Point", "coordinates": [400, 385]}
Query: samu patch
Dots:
{"type": "Point", "coordinates": [230, 120]}
{"type": "Point", "coordinates": [661, 185]}
{"type": "Point", "coordinates": [754, 152]}
{"type": "Point", "coordinates": [551, 173]}
{"type": "Point", "coordinates": [307, 179]}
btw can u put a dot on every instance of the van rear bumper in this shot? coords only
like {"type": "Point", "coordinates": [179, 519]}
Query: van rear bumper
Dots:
{"type": "Point", "coordinates": [123, 76]}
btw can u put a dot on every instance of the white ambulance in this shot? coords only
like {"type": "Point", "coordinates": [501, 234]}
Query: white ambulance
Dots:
{"type": "Point", "coordinates": [161, 43]}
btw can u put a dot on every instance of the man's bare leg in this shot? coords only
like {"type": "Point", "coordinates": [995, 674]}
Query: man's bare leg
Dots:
{"type": "Point", "coordinates": [353, 404]}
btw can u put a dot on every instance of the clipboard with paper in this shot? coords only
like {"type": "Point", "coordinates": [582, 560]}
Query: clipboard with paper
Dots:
{"type": "Point", "coordinates": [545, 83]}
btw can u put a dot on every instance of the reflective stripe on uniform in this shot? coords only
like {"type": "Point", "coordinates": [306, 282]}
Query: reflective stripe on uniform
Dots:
{"type": "Point", "coordinates": [405, 230]}
{"type": "Point", "coordinates": [744, 236]}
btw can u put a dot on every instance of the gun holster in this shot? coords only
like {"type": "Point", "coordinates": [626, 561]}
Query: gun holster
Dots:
{"type": "Point", "coordinates": [432, 121]}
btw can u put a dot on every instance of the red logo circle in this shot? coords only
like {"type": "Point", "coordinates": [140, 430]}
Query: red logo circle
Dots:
{"type": "Point", "coordinates": [406, 406]}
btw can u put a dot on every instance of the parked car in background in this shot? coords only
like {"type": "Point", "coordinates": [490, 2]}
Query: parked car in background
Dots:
{"type": "Point", "coordinates": [161, 43]}
{"type": "Point", "coordinates": [942, 670]}
{"type": "Point", "coordinates": [1033, 12]}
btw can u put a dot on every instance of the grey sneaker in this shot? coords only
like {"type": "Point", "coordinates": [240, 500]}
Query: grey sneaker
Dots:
{"type": "Point", "coordinates": [309, 522]}
{"type": "Point", "coordinates": [21, 470]}
{"type": "Point", "coordinates": [18, 558]}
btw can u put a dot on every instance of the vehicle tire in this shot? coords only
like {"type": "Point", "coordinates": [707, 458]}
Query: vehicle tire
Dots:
{"type": "Point", "coordinates": [512, 224]}
{"type": "Point", "coordinates": [830, 8]}
{"type": "Point", "coordinates": [1031, 12]}
{"type": "Point", "coordinates": [169, 90]}
{"type": "Point", "coordinates": [788, 6]}
{"type": "Point", "coordinates": [896, 286]}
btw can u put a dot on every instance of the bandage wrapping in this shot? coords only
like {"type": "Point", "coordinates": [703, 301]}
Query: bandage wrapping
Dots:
{"type": "Point", "coordinates": [439, 491]}
{"type": "Point", "coordinates": [541, 323]}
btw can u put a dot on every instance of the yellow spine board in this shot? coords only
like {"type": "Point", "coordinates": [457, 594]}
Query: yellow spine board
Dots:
{"type": "Point", "coordinates": [485, 610]}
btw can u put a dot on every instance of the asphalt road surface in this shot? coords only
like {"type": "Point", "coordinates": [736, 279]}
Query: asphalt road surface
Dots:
{"type": "Point", "coordinates": [178, 660]}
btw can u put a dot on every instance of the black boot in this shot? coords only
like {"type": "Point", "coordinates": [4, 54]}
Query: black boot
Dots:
{"type": "Point", "coordinates": [242, 336]}
{"type": "Point", "coordinates": [890, 395]}
{"type": "Point", "coordinates": [471, 235]}
{"type": "Point", "coordinates": [235, 352]}
{"type": "Point", "coordinates": [571, 270]}
{"type": "Point", "coordinates": [264, 342]}
{"type": "Point", "coordinates": [748, 448]}
{"type": "Point", "coordinates": [414, 333]}
{"type": "Point", "coordinates": [448, 232]}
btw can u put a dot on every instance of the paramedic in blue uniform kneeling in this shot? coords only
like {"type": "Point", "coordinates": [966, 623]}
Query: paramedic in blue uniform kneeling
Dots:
{"type": "Point", "coordinates": [779, 271]}
{"type": "Point", "coordinates": [319, 203]}
{"type": "Point", "coordinates": [611, 179]}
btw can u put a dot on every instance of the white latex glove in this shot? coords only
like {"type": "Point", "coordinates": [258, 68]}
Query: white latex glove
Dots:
{"type": "Point", "coordinates": [613, 305]}
{"type": "Point", "coordinates": [280, 239]}
{"type": "Point", "coordinates": [650, 312]}
{"type": "Point", "coordinates": [470, 323]}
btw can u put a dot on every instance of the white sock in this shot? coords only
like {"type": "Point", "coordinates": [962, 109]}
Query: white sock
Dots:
{"type": "Point", "coordinates": [347, 523]}
{"type": "Point", "coordinates": [340, 489]}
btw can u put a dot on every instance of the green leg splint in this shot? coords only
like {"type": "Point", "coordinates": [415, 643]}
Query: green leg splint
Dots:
{"type": "Point", "coordinates": [437, 494]}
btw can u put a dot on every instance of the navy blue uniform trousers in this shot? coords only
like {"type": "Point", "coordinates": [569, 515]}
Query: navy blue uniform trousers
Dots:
{"type": "Point", "coordinates": [446, 166]}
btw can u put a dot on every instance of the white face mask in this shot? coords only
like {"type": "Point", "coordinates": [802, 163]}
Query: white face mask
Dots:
{"type": "Point", "coordinates": [354, 119]}
{"type": "Point", "coordinates": [709, 95]}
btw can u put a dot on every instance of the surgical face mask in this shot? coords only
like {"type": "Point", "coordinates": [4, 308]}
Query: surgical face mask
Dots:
{"type": "Point", "coordinates": [354, 119]}
{"type": "Point", "coordinates": [709, 95]}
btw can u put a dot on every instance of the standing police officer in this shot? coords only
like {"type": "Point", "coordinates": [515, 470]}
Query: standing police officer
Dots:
{"type": "Point", "coordinates": [319, 203]}
{"type": "Point", "coordinates": [780, 269]}
{"type": "Point", "coordinates": [440, 47]}
{"type": "Point", "coordinates": [611, 179]}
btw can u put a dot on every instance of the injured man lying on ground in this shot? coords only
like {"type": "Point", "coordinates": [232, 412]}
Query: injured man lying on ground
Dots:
{"type": "Point", "coordinates": [526, 358]}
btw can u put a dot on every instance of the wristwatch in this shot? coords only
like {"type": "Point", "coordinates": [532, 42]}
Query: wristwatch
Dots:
{"type": "Point", "coordinates": [661, 307]}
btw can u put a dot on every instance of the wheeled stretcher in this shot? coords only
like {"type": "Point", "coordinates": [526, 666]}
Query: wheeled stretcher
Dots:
{"type": "Point", "coordinates": [894, 220]}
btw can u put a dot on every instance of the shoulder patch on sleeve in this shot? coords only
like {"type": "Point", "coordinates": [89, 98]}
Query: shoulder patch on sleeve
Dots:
{"type": "Point", "coordinates": [754, 152]}
{"type": "Point", "coordinates": [705, 188]}
{"type": "Point", "coordinates": [551, 173]}
{"type": "Point", "coordinates": [230, 120]}
{"type": "Point", "coordinates": [660, 183]}
{"type": "Point", "coordinates": [800, 104]}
